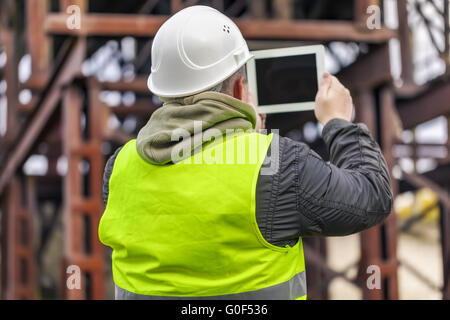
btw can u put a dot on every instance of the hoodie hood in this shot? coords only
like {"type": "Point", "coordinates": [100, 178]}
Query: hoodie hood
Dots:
{"type": "Point", "coordinates": [206, 110]}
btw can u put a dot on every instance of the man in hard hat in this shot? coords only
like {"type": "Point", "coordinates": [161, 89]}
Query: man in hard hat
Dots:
{"type": "Point", "coordinates": [184, 227]}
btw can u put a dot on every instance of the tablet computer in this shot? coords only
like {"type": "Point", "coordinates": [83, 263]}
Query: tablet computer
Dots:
{"type": "Point", "coordinates": [286, 80]}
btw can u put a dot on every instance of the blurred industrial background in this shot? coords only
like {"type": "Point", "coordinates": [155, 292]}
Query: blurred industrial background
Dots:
{"type": "Point", "coordinates": [73, 90]}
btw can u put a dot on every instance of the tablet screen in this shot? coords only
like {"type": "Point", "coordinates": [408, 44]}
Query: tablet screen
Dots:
{"type": "Point", "coordinates": [289, 79]}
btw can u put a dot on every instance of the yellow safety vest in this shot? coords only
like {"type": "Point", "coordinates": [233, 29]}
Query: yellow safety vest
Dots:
{"type": "Point", "coordinates": [189, 229]}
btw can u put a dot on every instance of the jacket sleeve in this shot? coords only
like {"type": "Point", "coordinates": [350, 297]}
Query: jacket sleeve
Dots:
{"type": "Point", "coordinates": [310, 197]}
{"type": "Point", "coordinates": [107, 175]}
{"type": "Point", "coordinates": [353, 192]}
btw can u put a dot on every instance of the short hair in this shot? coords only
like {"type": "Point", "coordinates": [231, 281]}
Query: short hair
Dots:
{"type": "Point", "coordinates": [227, 86]}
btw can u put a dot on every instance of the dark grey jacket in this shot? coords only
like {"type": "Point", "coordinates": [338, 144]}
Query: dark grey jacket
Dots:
{"type": "Point", "coordinates": [310, 197]}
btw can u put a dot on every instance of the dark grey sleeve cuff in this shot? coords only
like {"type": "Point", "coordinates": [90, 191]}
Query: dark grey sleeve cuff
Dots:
{"type": "Point", "coordinates": [333, 126]}
{"type": "Point", "coordinates": [107, 175]}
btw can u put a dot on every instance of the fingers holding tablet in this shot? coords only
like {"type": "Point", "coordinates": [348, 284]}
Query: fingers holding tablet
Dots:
{"type": "Point", "coordinates": [333, 100]}
{"type": "Point", "coordinates": [325, 85]}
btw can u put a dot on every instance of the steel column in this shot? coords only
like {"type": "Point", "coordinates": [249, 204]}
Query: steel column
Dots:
{"type": "Point", "coordinates": [445, 242]}
{"type": "Point", "coordinates": [370, 240]}
{"type": "Point", "coordinates": [39, 44]}
{"type": "Point", "coordinates": [18, 260]}
{"type": "Point", "coordinates": [404, 35]}
{"type": "Point", "coordinates": [377, 243]}
{"type": "Point", "coordinates": [9, 39]}
{"type": "Point", "coordinates": [387, 137]}
{"type": "Point", "coordinates": [82, 191]}
{"type": "Point", "coordinates": [317, 273]}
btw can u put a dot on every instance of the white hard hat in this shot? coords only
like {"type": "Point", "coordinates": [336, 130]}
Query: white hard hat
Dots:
{"type": "Point", "coordinates": [194, 50]}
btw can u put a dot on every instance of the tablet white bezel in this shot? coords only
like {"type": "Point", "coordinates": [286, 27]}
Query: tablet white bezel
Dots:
{"type": "Point", "coordinates": [318, 50]}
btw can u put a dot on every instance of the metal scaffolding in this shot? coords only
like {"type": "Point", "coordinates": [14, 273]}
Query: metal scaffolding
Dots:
{"type": "Point", "coordinates": [67, 115]}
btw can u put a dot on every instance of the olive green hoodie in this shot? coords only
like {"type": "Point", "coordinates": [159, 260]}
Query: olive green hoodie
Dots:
{"type": "Point", "coordinates": [212, 110]}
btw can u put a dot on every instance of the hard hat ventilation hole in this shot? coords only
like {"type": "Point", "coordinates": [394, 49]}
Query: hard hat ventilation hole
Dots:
{"type": "Point", "coordinates": [226, 28]}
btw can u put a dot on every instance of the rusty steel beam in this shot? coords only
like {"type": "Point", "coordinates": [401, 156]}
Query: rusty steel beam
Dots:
{"type": "Point", "coordinates": [358, 77]}
{"type": "Point", "coordinates": [428, 105]}
{"type": "Point", "coordinates": [142, 108]}
{"type": "Point", "coordinates": [445, 242]}
{"type": "Point", "coordinates": [405, 37]}
{"type": "Point", "coordinates": [18, 272]}
{"type": "Point", "coordinates": [283, 9]}
{"type": "Point", "coordinates": [9, 40]}
{"type": "Point", "coordinates": [64, 72]}
{"type": "Point", "coordinates": [446, 17]}
{"type": "Point", "coordinates": [71, 113]}
{"type": "Point", "coordinates": [423, 182]}
{"type": "Point", "coordinates": [138, 85]}
{"type": "Point", "coordinates": [378, 243]}
{"type": "Point", "coordinates": [360, 11]}
{"type": "Point", "coordinates": [39, 44]}
{"type": "Point", "coordinates": [36, 82]}
{"type": "Point", "coordinates": [387, 136]}
{"type": "Point", "coordinates": [176, 5]}
{"type": "Point", "coordinates": [257, 9]}
{"type": "Point", "coordinates": [82, 4]}
{"type": "Point", "coordinates": [318, 275]}
{"type": "Point", "coordinates": [219, 4]}
{"type": "Point", "coordinates": [370, 240]}
{"type": "Point", "coordinates": [147, 26]}
{"type": "Point", "coordinates": [83, 202]}
{"type": "Point", "coordinates": [319, 261]}
{"type": "Point", "coordinates": [81, 247]}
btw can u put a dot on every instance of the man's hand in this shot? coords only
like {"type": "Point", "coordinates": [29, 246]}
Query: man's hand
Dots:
{"type": "Point", "coordinates": [333, 100]}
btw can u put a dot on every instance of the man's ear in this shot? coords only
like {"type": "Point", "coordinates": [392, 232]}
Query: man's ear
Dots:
{"type": "Point", "coordinates": [238, 90]}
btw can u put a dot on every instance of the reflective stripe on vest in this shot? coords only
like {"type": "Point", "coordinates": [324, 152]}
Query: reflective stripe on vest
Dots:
{"type": "Point", "coordinates": [293, 289]}
{"type": "Point", "coordinates": [189, 229]}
